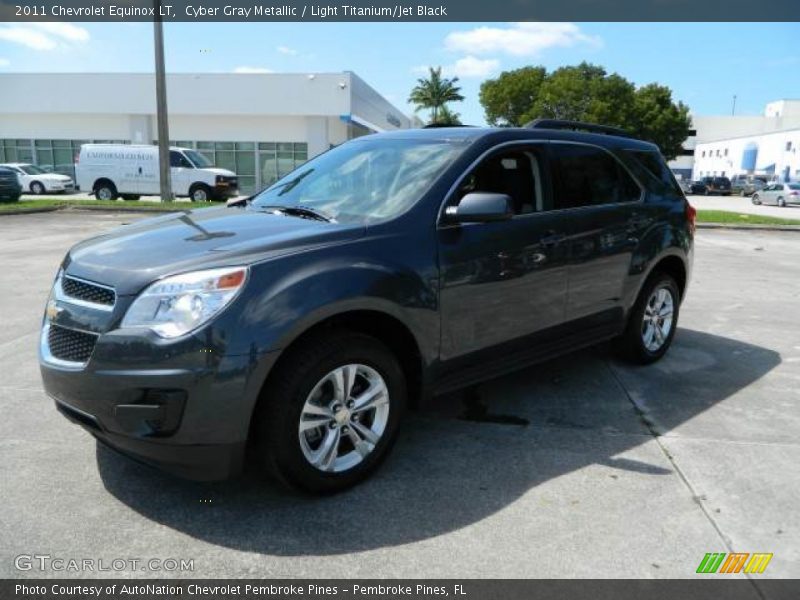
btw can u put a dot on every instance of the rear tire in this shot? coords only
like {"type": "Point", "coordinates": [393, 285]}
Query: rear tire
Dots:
{"type": "Point", "coordinates": [781, 202]}
{"type": "Point", "coordinates": [302, 392]}
{"type": "Point", "coordinates": [756, 200]}
{"type": "Point", "coordinates": [652, 322]}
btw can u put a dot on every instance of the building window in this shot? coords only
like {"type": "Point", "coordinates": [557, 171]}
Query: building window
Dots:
{"type": "Point", "coordinates": [704, 153]}
{"type": "Point", "coordinates": [16, 151]}
{"type": "Point", "coordinates": [726, 153]}
{"type": "Point", "coordinates": [276, 159]}
{"type": "Point", "coordinates": [788, 146]}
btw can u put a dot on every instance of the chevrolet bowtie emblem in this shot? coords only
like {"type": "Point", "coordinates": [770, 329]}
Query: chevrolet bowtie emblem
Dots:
{"type": "Point", "coordinates": [52, 310]}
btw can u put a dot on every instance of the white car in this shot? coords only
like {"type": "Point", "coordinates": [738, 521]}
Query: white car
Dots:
{"type": "Point", "coordinates": [779, 194]}
{"type": "Point", "coordinates": [36, 180]}
{"type": "Point", "coordinates": [110, 171]}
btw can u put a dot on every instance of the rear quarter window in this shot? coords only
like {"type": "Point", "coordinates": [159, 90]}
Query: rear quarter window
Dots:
{"type": "Point", "coordinates": [657, 175]}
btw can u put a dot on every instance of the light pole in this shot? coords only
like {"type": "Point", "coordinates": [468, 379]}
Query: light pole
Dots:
{"type": "Point", "coordinates": [161, 107]}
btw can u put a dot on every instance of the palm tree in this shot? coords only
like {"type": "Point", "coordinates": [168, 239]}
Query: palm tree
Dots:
{"type": "Point", "coordinates": [434, 92]}
{"type": "Point", "coordinates": [448, 117]}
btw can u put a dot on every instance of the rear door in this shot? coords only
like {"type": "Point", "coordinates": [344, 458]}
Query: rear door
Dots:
{"type": "Point", "coordinates": [506, 280]}
{"type": "Point", "coordinates": [606, 221]}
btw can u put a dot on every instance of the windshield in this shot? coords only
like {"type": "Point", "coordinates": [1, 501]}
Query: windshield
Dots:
{"type": "Point", "coordinates": [198, 160]}
{"type": "Point", "coordinates": [32, 170]}
{"type": "Point", "coordinates": [375, 178]}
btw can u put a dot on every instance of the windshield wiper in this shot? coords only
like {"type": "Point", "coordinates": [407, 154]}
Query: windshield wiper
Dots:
{"type": "Point", "coordinates": [305, 212]}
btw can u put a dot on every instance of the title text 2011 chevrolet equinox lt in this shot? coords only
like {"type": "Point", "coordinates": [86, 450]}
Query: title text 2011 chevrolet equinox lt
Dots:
{"type": "Point", "coordinates": [302, 322]}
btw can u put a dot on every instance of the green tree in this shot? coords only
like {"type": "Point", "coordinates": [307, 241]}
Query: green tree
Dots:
{"type": "Point", "coordinates": [508, 100]}
{"type": "Point", "coordinates": [434, 91]}
{"type": "Point", "coordinates": [659, 119]}
{"type": "Point", "coordinates": [586, 92]}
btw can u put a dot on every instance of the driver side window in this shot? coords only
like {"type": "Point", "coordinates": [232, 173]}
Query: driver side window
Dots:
{"type": "Point", "coordinates": [516, 173]}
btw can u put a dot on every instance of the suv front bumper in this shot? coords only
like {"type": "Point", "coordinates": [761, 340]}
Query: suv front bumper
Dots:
{"type": "Point", "coordinates": [189, 422]}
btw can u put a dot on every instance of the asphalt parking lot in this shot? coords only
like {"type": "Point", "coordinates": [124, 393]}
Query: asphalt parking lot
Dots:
{"type": "Point", "coordinates": [586, 467]}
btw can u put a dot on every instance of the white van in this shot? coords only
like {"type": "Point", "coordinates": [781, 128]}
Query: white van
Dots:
{"type": "Point", "coordinates": [129, 171]}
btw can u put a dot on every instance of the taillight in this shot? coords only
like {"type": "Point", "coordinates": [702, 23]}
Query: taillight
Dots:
{"type": "Point", "coordinates": [794, 193]}
{"type": "Point", "coordinates": [691, 216]}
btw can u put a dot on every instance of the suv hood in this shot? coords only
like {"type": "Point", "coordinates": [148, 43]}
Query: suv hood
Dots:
{"type": "Point", "coordinates": [133, 256]}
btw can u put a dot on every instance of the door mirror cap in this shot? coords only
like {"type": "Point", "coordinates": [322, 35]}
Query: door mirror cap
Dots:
{"type": "Point", "coordinates": [481, 207]}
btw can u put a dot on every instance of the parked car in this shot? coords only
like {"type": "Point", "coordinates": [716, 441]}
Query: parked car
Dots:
{"type": "Point", "coordinates": [779, 194]}
{"type": "Point", "coordinates": [747, 185]}
{"type": "Point", "coordinates": [36, 180]}
{"type": "Point", "coordinates": [717, 185]}
{"type": "Point", "coordinates": [111, 171]}
{"type": "Point", "coordinates": [302, 322]}
{"type": "Point", "coordinates": [10, 189]}
{"type": "Point", "coordinates": [696, 188]}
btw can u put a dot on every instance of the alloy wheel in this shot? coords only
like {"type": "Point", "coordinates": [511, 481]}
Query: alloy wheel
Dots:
{"type": "Point", "coordinates": [344, 418]}
{"type": "Point", "coordinates": [657, 320]}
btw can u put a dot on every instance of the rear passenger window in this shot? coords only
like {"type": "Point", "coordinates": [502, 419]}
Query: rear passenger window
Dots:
{"type": "Point", "coordinates": [589, 176]}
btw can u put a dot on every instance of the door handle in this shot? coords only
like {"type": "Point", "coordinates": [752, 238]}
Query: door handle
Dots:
{"type": "Point", "coordinates": [552, 239]}
{"type": "Point", "coordinates": [140, 170]}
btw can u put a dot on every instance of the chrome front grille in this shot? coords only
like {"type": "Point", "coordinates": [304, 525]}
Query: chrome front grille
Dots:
{"type": "Point", "coordinates": [70, 345]}
{"type": "Point", "coordinates": [88, 292]}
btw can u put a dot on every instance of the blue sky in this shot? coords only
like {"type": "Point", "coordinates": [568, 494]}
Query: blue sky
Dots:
{"type": "Point", "coordinates": [705, 64]}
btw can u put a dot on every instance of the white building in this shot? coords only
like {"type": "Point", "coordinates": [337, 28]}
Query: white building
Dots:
{"type": "Point", "coordinates": [259, 125]}
{"type": "Point", "coordinates": [778, 116]}
{"type": "Point", "coordinates": [775, 156]}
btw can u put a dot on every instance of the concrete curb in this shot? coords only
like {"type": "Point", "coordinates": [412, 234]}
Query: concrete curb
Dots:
{"type": "Point", "coordinates": [745, 227]}
{"type": "Point", "coordinates": [28, 211]}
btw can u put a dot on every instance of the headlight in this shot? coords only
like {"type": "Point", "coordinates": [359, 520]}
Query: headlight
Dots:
{"type": "Point", "coordinates": [177, 305]}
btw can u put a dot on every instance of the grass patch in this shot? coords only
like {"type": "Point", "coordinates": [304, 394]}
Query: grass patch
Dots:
{"type": "Point", "coordinates": [22, 205]}
{"type": "Point", "coordinates": [728, 217]}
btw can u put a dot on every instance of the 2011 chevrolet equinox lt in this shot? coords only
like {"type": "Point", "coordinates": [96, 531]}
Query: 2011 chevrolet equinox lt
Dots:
{"type": "Point", "coordinates": [302, 322]}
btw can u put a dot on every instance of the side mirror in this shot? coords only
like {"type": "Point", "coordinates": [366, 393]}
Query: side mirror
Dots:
{"type": "Point", "coordinates": [481, 207]}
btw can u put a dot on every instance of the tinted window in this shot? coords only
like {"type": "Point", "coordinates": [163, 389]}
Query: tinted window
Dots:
{"type": "Point", "coordinates": [589, 176]}
{"type": "Point", "coordinates": [176, 159]}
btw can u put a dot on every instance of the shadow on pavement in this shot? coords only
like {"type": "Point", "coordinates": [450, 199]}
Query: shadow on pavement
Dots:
{"type": "Point", "coordinates": [447, 473]}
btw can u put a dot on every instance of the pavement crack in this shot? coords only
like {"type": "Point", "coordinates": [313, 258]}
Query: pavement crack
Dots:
{"type": "Point", "coordinates": [697, 498]}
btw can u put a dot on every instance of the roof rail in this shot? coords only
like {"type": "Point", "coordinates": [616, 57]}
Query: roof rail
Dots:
{"type": "Point", "coordinates": [578, 126]}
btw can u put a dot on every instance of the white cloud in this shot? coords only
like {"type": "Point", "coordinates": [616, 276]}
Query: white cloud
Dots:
{"type": "Point", "coordinates": [520, 39]}
{"type": "Point", "coordinates": [252, 70]}
{"type": "Point", "coordinates": [44, 36]}
{"type": "Point", "coordinates": [67, 31]}
{"type": "Point", "coordinates": [286, 50]}
{"type": "Point", "coordinates": [4, 62]}
{"type": "Point", "coordinates": [469, 66]}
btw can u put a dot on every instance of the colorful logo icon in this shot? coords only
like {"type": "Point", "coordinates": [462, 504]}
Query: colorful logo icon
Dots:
{"type": "Point", "coordinates": [736, 562]}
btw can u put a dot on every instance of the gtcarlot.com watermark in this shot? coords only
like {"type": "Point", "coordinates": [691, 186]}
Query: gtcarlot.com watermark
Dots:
{"type": "Point", "coordinates": [49, 563]}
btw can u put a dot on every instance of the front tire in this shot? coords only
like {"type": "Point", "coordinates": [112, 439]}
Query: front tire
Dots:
{"type": "Point", "coordinates": [200, 193]}
{"type": "Point", "coordinates": [652, 322]}
{"type": "Point", "coordinates": [105, 192]}
{"type": "Point", "coordinates": [330, 413]}
{"type": "Point", "coordinates": [37, 188]}
{"type": "Point", "coordinates": [756, 200]}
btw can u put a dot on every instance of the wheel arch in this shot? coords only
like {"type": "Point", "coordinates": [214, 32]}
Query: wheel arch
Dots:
{"type": "Point", "coordinates": [379, 324]}
{"type": "Point", "coordinates": [674, 266]}
{"type": "Point", "coordinates": [101, 180]}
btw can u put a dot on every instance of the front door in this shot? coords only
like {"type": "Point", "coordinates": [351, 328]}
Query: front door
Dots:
{"type": "Point", "coordinates": [503, 280]}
